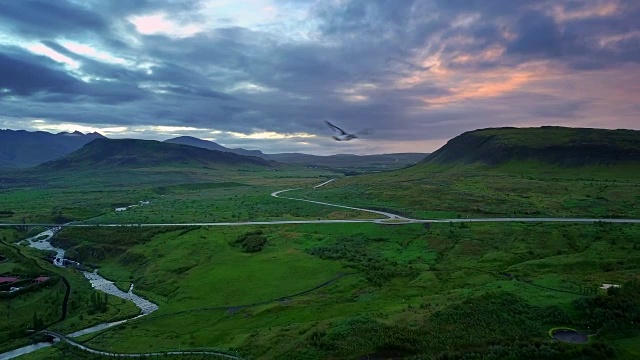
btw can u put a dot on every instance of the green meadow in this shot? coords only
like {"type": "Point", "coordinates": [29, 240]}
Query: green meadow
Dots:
{"type": "Point", "coordinates": [334, 291]}
{"type": "Point", "coordinates": [511, 190]}
{"type": "Point", "coordinates": [508, 282]}
{"type": "Point", "coordinates": [206, 196]}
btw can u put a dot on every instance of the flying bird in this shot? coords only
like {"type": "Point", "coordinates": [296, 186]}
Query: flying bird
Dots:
{"type": "Point", "coordinates": [343, 136]}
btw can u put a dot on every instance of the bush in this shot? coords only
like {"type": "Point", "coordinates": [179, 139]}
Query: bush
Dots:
{"type": "Point", "coordinates": [251, 242]}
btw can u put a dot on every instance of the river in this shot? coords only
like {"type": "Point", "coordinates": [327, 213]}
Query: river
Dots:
{"type": "Point", "coordinates": [42, 242]}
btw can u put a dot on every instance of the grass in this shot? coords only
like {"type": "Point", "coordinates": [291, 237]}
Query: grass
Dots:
{"type": "Point", "coordinates": [557, 136]}
{"type": "Point", "coordinates": [200, 196]}
{"type": "Point", "coordinates": [437, 290]}
{"type": "Point", "coordinates": [192, 274]}
{"type": "Point", "coordinates": [475, 192]}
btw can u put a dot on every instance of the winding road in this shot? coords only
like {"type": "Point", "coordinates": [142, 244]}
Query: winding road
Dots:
{"type": "Point", "coordinates": [387, 218]}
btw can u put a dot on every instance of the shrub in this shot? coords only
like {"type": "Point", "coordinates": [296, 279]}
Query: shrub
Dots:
{"type": "Point", "coordinates": [251, 242]}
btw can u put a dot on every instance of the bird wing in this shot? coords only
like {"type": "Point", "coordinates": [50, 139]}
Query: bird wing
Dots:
{"type": "Point", "coordinates": [342, 132]}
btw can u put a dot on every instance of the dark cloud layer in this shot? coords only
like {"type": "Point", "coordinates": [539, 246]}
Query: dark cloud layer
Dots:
{"type": "Point", "coordinates": [416, 71]}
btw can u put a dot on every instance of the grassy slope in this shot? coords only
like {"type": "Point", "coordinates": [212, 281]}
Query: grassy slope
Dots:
{"type": "Point", "coordinates": [540, 172]}
{"type": "Point", "coordinates": [572, 147]}
{"type": "Point", "coordinates": [480, 193]}
{"type": "Point", "coordinates": [545, 136]}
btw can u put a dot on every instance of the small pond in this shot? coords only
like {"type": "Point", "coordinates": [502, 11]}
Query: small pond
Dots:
{"type": "Point", "coordinates": [570, 336]}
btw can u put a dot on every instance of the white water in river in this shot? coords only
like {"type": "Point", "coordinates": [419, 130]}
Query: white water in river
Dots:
{"type": "Point", "coordinates": [97, 282]}
{"type": "Point", "coordinates": [101, 284]}
{"type": "Point", "coordinates": [41, 242]}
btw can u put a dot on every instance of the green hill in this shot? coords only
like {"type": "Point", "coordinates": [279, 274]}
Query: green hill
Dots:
{"type": "Point", "coordinates": [133, 153]}
{"type": "Point", "coordinates": [548, 171]}
{"type": "Point", "coordinates": [571, 147]}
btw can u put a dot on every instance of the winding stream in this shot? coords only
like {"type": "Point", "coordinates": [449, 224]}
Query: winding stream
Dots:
{"type": "Point", "coordinates": [42, 242]}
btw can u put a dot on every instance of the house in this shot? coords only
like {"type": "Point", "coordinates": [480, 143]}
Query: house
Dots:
{"type": "Point", "coordinates": [7, 280]}
{"type": "Point", "coordinates": [41, 279]}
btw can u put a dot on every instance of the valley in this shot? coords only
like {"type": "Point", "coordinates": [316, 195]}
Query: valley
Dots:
{"type": "Point", "coordinates": [436, 261]}
{"type": "Point", "coordinates": [320, 180]}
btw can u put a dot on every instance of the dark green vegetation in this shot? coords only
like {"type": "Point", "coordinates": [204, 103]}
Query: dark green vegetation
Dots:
{"type": "Point", "coordinates": [251, 242]}
{"type": "Point", "coordinates": [20, 149]}
{"type": "Point", "coordinates": [447, 291]}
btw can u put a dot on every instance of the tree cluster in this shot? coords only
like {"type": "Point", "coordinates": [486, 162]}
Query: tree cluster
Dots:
{"type": "Point", "coordinates": [98, 303]}
{"type": "Point", "coordinates": [618, 312]}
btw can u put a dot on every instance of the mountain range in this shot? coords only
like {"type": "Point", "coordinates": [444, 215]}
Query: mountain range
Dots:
{"type": "Point", "coordinates": [192, 141]}
{"type": "Point", "coordinates": [559, 146]}
{"type": "Point", "coordinates": [371, 162]}
{"type": "Point", "coordinates": [21, 149]}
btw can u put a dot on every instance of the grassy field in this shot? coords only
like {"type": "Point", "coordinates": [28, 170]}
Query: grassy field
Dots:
{"type": "Point", "coordinates": [206, 196]}
{"type": "Point", "coordinates": [522, 190]}
{"type": "Point", "coordinates": [463, 286]}
{"type": "Point", "coordinates": [343, 291]}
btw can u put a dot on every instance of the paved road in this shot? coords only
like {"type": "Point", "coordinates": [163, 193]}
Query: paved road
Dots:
{"type": "Point", "coordinates": [392, 221]}
{"type": "Point", "coordinates": [324, 183]}
{"type": "Point", "coordinates": [388, 218]}
{"type": "Point", "coordinates": [388, 215]}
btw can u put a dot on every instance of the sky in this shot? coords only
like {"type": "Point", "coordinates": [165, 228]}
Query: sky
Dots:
{"type": "Point", "coordinates": [265, 74]}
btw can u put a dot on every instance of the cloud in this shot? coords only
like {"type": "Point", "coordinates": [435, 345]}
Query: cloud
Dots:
{"type": "Point", "coordinates": [24, 74]}
{"type": "Point", "coordinates": [262, 72]}
{"type": "Point", "coordinates": [41, 18]}
{"type": "Point", "coordinates": [160, 24]}
{"type": "Point", "coordinates": [537, 34]}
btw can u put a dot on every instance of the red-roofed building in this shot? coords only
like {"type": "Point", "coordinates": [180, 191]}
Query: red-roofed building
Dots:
{"type": "Point", "coordinates": [42, 279]}
{"type": "Point", "coordinates": [7, 280]}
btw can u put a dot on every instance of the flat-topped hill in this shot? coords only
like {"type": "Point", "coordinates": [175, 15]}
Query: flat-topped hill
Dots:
{"type": "Point", "coordinates": [553, 145]}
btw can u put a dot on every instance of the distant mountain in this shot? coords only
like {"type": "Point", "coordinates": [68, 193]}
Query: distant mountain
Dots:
{"type": "Point", "coordinates": [553, 145]}
{"type": "Point", "coordinates": [359, 162]}
{"type": "Point", "coordinates": [113, 154]}
{"type": "Point", "coordinates": [370, 162]}
{"type": "Point", "coordinates": [21, 149]}
{"type": "Point", "coordinates": [206, 144]}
